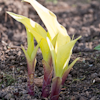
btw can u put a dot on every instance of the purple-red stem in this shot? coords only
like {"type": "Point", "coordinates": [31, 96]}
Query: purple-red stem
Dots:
{"type": "Point", "coordinates": [47, 79]}
{"type": "Point", "coordinates": [46, 85]}
{"type": "Point", "coordinates": [55, 88]}
{"type": "Point", "coordinates": [65, 75]}
{"type": "Point", "coordinates": [30, 81]}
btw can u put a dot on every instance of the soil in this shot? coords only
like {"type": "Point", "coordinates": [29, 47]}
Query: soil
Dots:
{"type": "Point", "coordinates": [79, 17]}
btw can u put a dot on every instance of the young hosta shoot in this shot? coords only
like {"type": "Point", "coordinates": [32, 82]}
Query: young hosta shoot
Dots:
{"type": "Point", "coordinates": [61, 58]}
{"type": "Point", "coordinates": [31, 61]}
{"type": "Point", "coordinates": [59, 48]}
{"type": "Point", "coordinates": [39, 33]}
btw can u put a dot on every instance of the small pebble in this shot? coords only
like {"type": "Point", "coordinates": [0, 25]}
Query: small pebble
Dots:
{"type": "Point", "coordinates": [8, 96]}
{"type": "Point", "coordinates": [97, 80]}
{"type": "Point", "coordinates": [87, 93]}
{"type": "Point", "coordinates": [19, 81]}
{"type": "Point", "coordinates": [94, 75]}
{"type": "Point", "coordinates": [94, 98]}
{"type": "Point", "coordinates": [12, 99]}
{"type": "Point", "coordinates": [26, 97]}
{"type": "Point", "coordinates": [24, 80]}
{"type": "Point", "coordinates": [2, 86]}
{"type": "Point", "coordinates": [21, 72]}
{"type": "Point", "coordinates": [2, 94]}
{"type": "Point", "coordinates": [16, 92]}
{"type": "Point", "coordinates": [24, 91]}
{"type": "Point", "coordinates": [91, 65]}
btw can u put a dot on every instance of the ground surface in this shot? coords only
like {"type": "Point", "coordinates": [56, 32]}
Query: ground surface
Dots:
{"type": "Point", "coordinates": [80, 17]}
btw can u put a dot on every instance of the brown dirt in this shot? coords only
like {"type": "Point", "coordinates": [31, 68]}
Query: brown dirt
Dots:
{"type": "Point", "coordinates": [80, 17]}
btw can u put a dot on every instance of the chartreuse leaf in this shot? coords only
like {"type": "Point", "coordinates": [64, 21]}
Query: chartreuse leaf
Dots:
{"type": "Point", "coordinates": [67, 69]}
{"type": "Point", "coordinates": [53, 53]}
{"type": "Point", "coordinates": [37, 31]}
{"type": "Point", "coordinates": [63, 55]}
{"type": "Point", "coordinates": [45, 49]}
{"type": "Point", "coordinates": [26, 54]}
{"type": "Point", "coordinates": [35, 50]}
{"type": "Point", "coordinates": [31, 51]}
{"type": "Point", "coordinates": [71, 65]}
{"type": "Point", "coordinates": [54, 40]}
{"type": "Point", "coordinates": [48, 18]}
{"type": "Point", "coordinates": [61, 40]}
{"type": "Point", "coordinates": [97, 47]}
{"type": "Point", "coordinates": [30, 43]}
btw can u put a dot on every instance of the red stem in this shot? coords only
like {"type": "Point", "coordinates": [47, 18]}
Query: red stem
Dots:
{"type": "Point", "coordinates": [55, 88]}
{"type": "Point", "coordinates": [47, 78]}
{"type": "Point", "coordinates": [30, 81]}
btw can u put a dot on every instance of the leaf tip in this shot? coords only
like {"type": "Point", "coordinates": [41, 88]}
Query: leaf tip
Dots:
{"type": "Point", "coordinates": [21, 46]}
{"type": "Point", "coordinates": [78, 37]}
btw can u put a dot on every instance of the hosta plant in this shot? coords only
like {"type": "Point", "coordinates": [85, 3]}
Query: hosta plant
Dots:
{"type": "Point", "coordinates": [55, 45]}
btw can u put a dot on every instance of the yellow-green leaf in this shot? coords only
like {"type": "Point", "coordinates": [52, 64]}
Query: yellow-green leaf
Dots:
{"type": "Point", "coordinates": [45, 49]}
{"type": "Point", "coordinates": [61, 41]}
{"type": "Point", "coordinates": [48, 18]}
{"type": "Point", "coordinates": [35, 51]}
{"type": "Point", "coordinates": [63, 55]}
{"type": "Point", "coordinates": [26, 54]}
{"type": "Point", "coordinates": [53, 53]}
{"type": "Point", "coordinates": [30, 42]}
{"type": "Point", "coordinates": [67, 70]}
{"type": "Point", "coordinates": [37, 31]}
{"type": "Point", "coordinates": [71, 65]}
